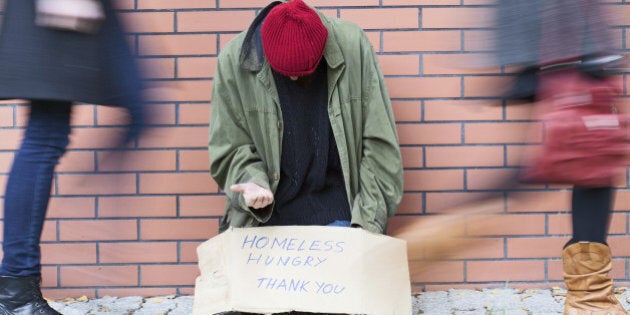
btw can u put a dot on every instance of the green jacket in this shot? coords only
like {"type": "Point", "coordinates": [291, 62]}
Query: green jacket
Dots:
{"type": "Point", "coordinates": [246, 126]}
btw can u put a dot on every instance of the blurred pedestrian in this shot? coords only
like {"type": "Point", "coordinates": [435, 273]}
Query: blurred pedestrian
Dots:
{"type": "Point", "coordinates": [53, 53]}
{"type": "Point", "coordinates": [547, 39]}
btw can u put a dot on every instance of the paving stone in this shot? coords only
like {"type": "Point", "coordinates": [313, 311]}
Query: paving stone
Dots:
{"type": "Point", "coordinates": [450, 302]}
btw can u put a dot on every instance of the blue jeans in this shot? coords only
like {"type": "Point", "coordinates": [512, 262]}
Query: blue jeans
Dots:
{"type": "Point", "coordinates": [341, 223]}
{"type": "Point", "coordinates": [28, 187]}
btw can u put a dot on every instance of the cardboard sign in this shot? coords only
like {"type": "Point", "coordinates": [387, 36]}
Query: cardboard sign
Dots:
{"type": "Point", "coordinates": [318, 269]}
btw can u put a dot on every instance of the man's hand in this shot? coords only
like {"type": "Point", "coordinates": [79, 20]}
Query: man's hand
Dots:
{"type": "Point", "coordinates": [255, 196]}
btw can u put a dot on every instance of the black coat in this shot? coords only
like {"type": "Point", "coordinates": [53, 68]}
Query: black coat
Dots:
{"type": "Point", "coordinates": [42, 63]}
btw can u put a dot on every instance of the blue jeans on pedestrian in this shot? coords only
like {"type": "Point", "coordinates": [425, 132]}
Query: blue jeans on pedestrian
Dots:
{"type": "Point", "coordinates": [29, 184]}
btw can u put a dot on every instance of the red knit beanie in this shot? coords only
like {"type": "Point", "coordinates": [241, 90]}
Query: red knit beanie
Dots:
{"type": "Point", "coordinates": [293, 38]}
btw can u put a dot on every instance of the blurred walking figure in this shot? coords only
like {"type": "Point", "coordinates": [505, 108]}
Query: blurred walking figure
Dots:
{"type": "Point", "coordinates": [53, 53]}
{"type": "Point", "coordinates": [552, 40]}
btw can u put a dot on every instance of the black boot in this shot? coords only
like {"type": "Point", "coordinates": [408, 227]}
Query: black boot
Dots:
{"type": "Point", "coordinates": [22, 296]}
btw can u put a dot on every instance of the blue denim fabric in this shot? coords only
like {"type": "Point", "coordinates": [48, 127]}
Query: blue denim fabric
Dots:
{"type": "Point", "coordinates": [340, 223]}
{"type": "Point", "coordinates": [29, 184]}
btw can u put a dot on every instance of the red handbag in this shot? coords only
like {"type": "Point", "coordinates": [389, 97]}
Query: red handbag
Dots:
{"type": "Point", "coordinates": [585, 140]}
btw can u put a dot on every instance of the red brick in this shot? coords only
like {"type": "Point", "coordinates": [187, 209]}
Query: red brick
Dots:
{"type": "Point", "coordinates": [49, 232]}
{"type": "Point", "coordinates": [196, 67]}
{"type": "Point", "coordinates": [169, 275]}
{"type": "Point", "coordinates": [111, 116]}
{"type": "Point", "coordinates": [83, 115]}
{"type": "Point", "coordinates": [95, 138]}
{"type": "Point", "coordinates": [411, 204]}
{"type": "Point", "coordinates": [485, 86]}
{"type": "Point", "coordinates": [561, 224]}
{"type": "Point", "coordinates": [178, 183]}
{"type": "Point", "coordinates": [101, 184]}
{"type": "Point", "coordinates": [175, 137]}
{"type": "Point", "coordinates": [181, 229]}
{"type": "Point", "coordinates": [423, 87]}
{"type": "Point", "coordinates": [464, 110]}
{"type": "Point", "coordinates": [438, 202]}
{"type": "Point", "coordinates": [107, 276]}
{"type": "Point", "coordinates": [420, 41]}
{"type": "Point", "coordinates": [523, 111]}
{"type": "Point", "coordinates": [11, 138]}
{"type": "Point", "coordinates": [137, 291]}
{"type": "Point", "coordinates": [201, 206]}
{"type": "Point", "coordinates": [457, 18]}
{"type": "Point", "coordinates": [148, 22]}
{"type": "Point", "coordinates": [179, 91]}
{"type": "Point", "coordinates": [60, 253]}
{"type": "Point", "coordinates": [539, 201]}
{"type": "Point", "coordinates": [443, 133]}
{"type": "Point", "coordinates": [114, 116]}
{"type": "Point", "coordinates": [488, 179]}
{"type": "Point", "coordinates": [433, 180]}
{"type": "Point", "coordinates": [71, 207]}
{"type": "Point", "coordinates": [503, 133]}
{"type": "Point", "coordinates": [505, 271]}
{"type": "Point", "coordinates": [506, 224]}
{"type": "Point", "coordinates": [412, 157]}
{"type": "Point", "coordinates": [399, 64]}
{"type": "Point", "coordinates": [194, 160]}
{"type": "Point", "coordinates": [76, 161]}
{"type": "Point", "coordinates": [3, 182]}
{"type": "Point", "coordinates": [60, 294]}
{"type": "Point", "coordinates": [622, 200]}
{"type": "Point", "coordinates": [137, 252]}
{"type": "Point", "coordinates": [145, 160]}
{"type": "Point", "coordinates": [198, 114]}
{"type": "Point", "coordinates": [100, 230]}
{"type": "Point", "coordinates": [181, 44]}
{"type": "Point", "coordinates": [383, 18]}
{"type": "Point", "coordinates": [409, 111]}
{"type": "Point", "coordinates": [457, 64]}
{"type": "Point", "coordinates": [157, 68]}
{"type": "Point", "coordinates": [479, 248]}
{"type": "Point", "coordinates": [464, 156]}
{"type": "Point", "coordinates": [6, 116]}
{"type": "Point", "coordinates": [535, 247]}
{"type": "Point", "coordinates": [6, 160]}
{"type": "Point", "coordinates": [619, 245]}
{"type": "Point", "coordinates": [436, 271]}
{"type": "Point", "coordinates": [179, 4]}
{"type": "Point", "coordinates": [49, 276]}
{"type": "Point", "coordinates": [214, 21]}
{"type": "Point", "coordinates": [420, 2]}
{"type": "Point", "coordinates": [140, 206]}
{"type": "Point", "coordinates": [188, 251]}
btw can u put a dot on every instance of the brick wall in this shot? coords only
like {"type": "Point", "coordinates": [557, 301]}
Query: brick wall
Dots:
{"type": "Point", "coordinates": [133, 228]}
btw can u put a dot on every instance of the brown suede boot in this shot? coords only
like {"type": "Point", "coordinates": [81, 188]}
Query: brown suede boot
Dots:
{"type": "Point", "coordinates": [589, 288]}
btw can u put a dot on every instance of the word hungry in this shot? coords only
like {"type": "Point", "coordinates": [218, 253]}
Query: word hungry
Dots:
{"type": "Point", "coordinates": [285, 261]}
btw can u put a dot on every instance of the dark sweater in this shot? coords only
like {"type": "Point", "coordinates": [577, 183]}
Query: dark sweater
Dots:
{"type": "Point", "coordinates": [311, 190]}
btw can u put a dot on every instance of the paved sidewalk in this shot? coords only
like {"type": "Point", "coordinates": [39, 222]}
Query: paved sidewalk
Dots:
{"type": "Point", "coordinates": [451, 302]}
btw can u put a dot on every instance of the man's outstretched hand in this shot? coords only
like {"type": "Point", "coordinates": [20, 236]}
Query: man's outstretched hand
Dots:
{"type": "Point", "coordinates": [255, 196]}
